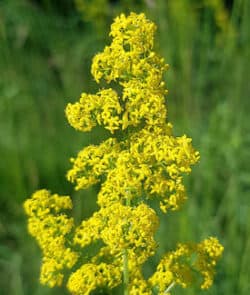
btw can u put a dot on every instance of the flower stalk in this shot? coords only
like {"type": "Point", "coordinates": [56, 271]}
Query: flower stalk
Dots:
{"type": "Point", "coordinates": [169, 287]}
{"type": "Point", "coordinates": [125, 262]}
{"type": "Point", "coordinates": [125, 272]}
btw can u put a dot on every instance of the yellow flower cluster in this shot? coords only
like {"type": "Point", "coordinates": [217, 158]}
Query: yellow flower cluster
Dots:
{"type": "Point", "coordinates": [102, 108]}
{"type": "Point", "coordinates": [150, 161]}
{"type": "Point", "coordinates": [130, 61]}
{"type": "Point", "coordinates": [145, 161]}
{"type": "Point", "coordinates": [50, 227]}
{"type": "Point", "coordinates": [138, 285]}
{"type": "Point", "coordinates": [91, 276]}
{"type": "Point", "coordinates": [121, 227]}
{"type": "Point", "coordinates": [92, 162]}
{"type": "Point", "coordinates": [183, 265]}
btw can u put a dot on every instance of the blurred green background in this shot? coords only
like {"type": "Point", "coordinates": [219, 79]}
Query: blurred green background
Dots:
{"type": "Point", "coordinates": [46, 49]}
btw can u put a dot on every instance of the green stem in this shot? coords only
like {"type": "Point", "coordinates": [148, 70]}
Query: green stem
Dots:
{"type": "Point", "coordinates": [169, 288]}
{"type": "Point", "coordinates": [125, 264]}
{"type": "Point", "coordinates": [125, 272]}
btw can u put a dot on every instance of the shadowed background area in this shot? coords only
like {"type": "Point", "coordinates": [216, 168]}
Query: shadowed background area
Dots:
{"type": "Point", "coordinates": [46, 48]}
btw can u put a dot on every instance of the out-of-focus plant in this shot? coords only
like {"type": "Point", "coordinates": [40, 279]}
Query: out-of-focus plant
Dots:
{"type": "Point", "coordinates": [141, 162]}
{"type": "Point", "coordinates": [215, 12]}
{"type": "Point", "coordinates": [221, 14]}
{"type": "Point", "coordinates": [101, 12]}
{"type": "Point", "coordinates": [221, 18]}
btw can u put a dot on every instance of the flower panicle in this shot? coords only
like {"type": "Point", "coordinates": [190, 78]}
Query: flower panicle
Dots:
{"type": "Point", "coordinates": [142, 161]}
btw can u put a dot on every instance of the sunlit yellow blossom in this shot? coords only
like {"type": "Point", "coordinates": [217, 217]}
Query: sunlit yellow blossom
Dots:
{"type": "Point", "coordinates": [183, 265]}
{"type": "Point", "coordinates": [131, 61]}
{"type": "Point", "coordinates": [91, 276]}
{"type": "Point", "coordinates": [120, 227]}
{"type": "Point", "coordinates": [42, 203]}
{"type": "Point", "coordinates": [103, 109]}
{"type": "Point", "coordinates": [92, 162]}
{"type": "Point", "coordinates": [208, 253]}
{"type": "Point", "coordinates": [149, 161]}
{"type": "Point", "coordinates": [138, 285]}
{"type": "Point", "coordinates": [50, 227]}
{"type": "Point", "coordinates": [143, 161]}
{"type": "Point", "coordinates": [132, 37]}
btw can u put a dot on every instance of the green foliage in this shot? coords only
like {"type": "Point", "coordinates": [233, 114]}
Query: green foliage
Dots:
{"type": "Point", "coordinates": [45, 54]}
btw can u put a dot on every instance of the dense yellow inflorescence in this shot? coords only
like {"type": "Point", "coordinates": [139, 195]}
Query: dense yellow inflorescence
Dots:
{"type": "Point", "coordinates": [121, 227]}
{"type": "Point", "coordinates": [91, 276]}
{"type": "Point", "coordinates": [182, 265]}
{"type": "Point", "coordinates": [143, 161]}
{"type": "Point", "coordinates": [51, 227]}
{"type": "Point", "coordinates": [131, 62]}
